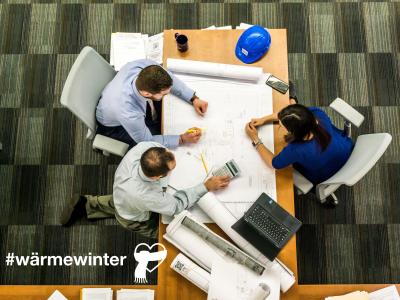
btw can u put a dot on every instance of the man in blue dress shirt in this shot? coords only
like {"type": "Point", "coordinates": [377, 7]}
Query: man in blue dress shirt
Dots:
{"type": "Point", "coordinates": [130, 106]}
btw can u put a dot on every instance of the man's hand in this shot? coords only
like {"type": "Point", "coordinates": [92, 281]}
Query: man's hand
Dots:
{"type": "Point", "coordinates": [216, 183]}
{"type": "Point", "coordinates": [192, 135]}
{"type": "Point", "coordinates": [251, 131]}
{"type": "Point", "coordinates": [200, 106]}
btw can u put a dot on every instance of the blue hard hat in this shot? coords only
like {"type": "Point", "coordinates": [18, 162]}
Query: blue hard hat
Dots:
{"type": "Point", "coordinates": [253, 44]}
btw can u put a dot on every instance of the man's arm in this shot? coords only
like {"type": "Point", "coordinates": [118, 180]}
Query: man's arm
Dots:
{"type": "Point", "coordinates": [137, 129]}
{"type": "Point", "coordinates": [180, 89]}
{"type": "Point", "coordinates": [167, 204]}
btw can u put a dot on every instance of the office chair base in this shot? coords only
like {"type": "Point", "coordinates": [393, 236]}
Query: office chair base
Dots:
{"type": "Point", "coordinates": [331, 201]}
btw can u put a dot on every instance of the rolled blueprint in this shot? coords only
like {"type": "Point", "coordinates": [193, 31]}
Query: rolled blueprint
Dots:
{"type": "Point", "coordinates": [210, 204]}
{"type": "Point", "coordinates": [261, 292]}
{"type": "Point", "coordinates": [223, 245]}
{"type": "Point", "coordinates": [191, 244]}
{"type": "Point", "coordinates": [192, 272]}
{"type": "Point", "coordinates": [214, 69]}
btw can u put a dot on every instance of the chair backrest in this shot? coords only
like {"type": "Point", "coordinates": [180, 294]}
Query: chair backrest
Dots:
{"type": "Point", "coordinates": [367, 151]}
{"type": "Point", "coordinates": [89, 75]}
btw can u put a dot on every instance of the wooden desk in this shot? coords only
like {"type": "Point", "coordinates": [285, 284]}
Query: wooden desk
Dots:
{"type": "Point", "coordinates": [218, 46]}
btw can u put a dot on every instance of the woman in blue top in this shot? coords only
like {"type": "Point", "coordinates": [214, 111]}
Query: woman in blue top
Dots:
{"type": "Point", "coordinates": [316, 148]}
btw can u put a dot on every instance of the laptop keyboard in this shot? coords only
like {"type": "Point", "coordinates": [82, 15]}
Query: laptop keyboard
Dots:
{"type": "Point", "coordinates": [260, 219]}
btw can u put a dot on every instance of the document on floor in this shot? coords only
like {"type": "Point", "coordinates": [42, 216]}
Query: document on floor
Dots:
{"type": "Point", "coordinates": [96, 294]}
{"type": "Point", "coordinates": [135, 294]}
{"type": "Point", "coordinates": [387, 293]}
{"type": "Point", "coordinates": [232, 102]}
{"type": "Point", "coordinates": [357, 295]}
{"type": "Point", "coordinates": [233, 281]}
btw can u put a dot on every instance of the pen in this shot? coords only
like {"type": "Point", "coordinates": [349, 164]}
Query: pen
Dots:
{"type": "Point", "coordinates": [204, 163]}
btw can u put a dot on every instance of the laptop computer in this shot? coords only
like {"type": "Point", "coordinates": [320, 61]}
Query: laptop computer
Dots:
{"type": "Point", "coordinates": [267, 226]}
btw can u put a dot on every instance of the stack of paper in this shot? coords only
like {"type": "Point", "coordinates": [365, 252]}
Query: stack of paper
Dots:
{"type": "Point", "coordinates": [352, 296]}
{"type": "Point", "coordinates": [96, 294]}
{"type": "Point", "coordinates": [135, 294]}
{"type": "Point", "coordinates": [126, 47]}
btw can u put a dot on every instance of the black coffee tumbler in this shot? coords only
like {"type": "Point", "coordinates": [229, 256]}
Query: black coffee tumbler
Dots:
{"type": "Point", "coordinates": [181, 42]}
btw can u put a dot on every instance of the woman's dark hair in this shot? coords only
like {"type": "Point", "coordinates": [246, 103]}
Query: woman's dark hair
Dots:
{"type": "Point", "coordinates": [300, 123]}
{"type": "Point", "coordinates": [154, 161]}
{"type": "Point", "coordinates": [153, 79]}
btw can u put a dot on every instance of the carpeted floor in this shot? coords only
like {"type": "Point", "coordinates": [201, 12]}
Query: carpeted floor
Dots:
{"type": "Point", "coordinates": [349, 49]}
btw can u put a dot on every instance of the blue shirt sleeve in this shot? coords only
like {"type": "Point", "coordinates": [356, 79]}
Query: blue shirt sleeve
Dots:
{"type": "Point", "coordinates": [321, 115]}
{"type": "Point", "coordinates": [136, 127]}
{"type": "Point", "coordinates": [180, 89]}
{"type": "Point", "coordinates": [285, 158]}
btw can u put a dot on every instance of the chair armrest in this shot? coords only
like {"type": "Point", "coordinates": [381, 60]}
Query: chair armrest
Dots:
{"type": "Point", "coordinates": [110, 145]}
{"type": "Point", "coordinates": [302, 183]}
{"type": "Point", "coordinates": [347, 111]}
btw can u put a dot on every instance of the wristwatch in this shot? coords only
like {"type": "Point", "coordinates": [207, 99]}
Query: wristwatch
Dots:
{"type": "Point", "coordinates": [193, 98]}
{"type": "Point", "coordinates": [256, 143]}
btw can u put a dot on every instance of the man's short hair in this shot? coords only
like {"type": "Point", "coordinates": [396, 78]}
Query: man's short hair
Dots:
{"type": "Point", "coordinates": [154, 161]}
{"type": "Point", "coordinates": [153, 79]}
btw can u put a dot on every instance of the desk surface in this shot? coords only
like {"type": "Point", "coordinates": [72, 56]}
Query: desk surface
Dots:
{"type": "Point", "coordinates": [216, 46]}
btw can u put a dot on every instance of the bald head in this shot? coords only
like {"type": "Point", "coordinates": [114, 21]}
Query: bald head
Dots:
{"type": "Point", "coordinates": [157, 162]}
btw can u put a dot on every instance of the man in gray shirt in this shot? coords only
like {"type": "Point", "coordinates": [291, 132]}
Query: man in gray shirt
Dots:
{"type": "Point", "coordinates": [139, 192]}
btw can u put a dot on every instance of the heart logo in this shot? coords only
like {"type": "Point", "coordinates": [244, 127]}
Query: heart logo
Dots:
{"type": "Point", "coordinates": [153, 256]}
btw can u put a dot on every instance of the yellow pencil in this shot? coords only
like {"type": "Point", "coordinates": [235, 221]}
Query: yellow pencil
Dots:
{"type": "Point", "coordinates": [195, 130]}
{"type": "Point", "coordinates": [204, 163]}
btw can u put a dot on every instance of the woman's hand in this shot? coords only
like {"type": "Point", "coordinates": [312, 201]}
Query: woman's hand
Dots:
{"type": "Point", "coordinates": [257, 122]}
{"type": "Point", "coordinates": [251, 131]}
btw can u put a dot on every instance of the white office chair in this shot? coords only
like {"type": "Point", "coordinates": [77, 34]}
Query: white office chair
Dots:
{"type": "Point", "coordinates": [367, 151]}
{"type": "Point", "coordinates": [89, 75]}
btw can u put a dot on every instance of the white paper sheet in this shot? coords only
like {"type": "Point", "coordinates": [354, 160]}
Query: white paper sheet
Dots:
{"type": "Point", "coordinates": [154, 49]}
{"type": "Point", "coordinates": [135, 294]}
{"type": "Point", "coordinates": [127, 47]}
{"type": "Point", "coordinates": [232, 281]}
{"type": "Point", "coordinates": [97, 294]}
{"type": "Point", "coordinates": [57, 296]}
{"type": "Point", "coordinates": [213, 27]}
{"type": "Point", "coordinates": [192, 272]}
{"type": "Point", "coordinates": [388, 293]}
{"type": "Point", "coordinates": [246, 26]}
{"type": "Point", "coordinates": [231, 106]}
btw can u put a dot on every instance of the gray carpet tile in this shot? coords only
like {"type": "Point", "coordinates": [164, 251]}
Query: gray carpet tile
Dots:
{"type": "Point", "coordinates": [378, 30]}
{"type": "Point", "coordinates": [85, 240]}
{"type": "Point", "coordinates": [350, 28]}
{"type": "Point", "coordinates": [11, 80]}
{"type": "Point", "coordinates": [30, 135]}
{"type": "Point", "coordinates": [346, 48]}
{"type": "Point", "coordinates": [353, 78]}
{"type": "Point", "coordinates": [59, 188]}
{"type": "Point", "coordinates": [23, 240]}
{"type": "Point", "coordinates": [322, 27]}
{"type": "Point", "coordinates": [268, 15]}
